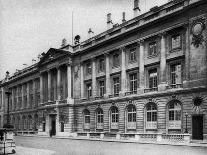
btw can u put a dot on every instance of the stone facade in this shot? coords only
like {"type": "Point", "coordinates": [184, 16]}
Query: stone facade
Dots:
{"type": "Point", "coordinates": [146, 75]}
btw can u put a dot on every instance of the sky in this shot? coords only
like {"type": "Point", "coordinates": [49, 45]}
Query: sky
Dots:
{"type": "Point", "coordinates": [30, 27]}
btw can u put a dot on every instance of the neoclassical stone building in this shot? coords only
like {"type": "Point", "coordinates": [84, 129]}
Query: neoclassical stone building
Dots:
{"type": "Point", "coordinates": [147, 75]}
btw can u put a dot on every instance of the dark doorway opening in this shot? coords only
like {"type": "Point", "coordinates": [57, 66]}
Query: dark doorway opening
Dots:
{"type": "Point", "coordinates": [197, 127]}
{"type": "Point", "coordinates": [53, 125]}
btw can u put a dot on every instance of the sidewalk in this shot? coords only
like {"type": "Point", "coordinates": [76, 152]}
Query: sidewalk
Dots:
{"type": "Point", "coordinates": [32, 151]}
{"type": "Point", "coordinates": [193, 143]}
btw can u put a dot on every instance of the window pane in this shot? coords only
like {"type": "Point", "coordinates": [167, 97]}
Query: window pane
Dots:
{"type": "Point", "coordinates": [171, 115]}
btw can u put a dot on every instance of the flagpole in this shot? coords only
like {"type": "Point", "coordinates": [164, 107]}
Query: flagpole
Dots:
{"type": "Point", "coordinates": [72, 27]}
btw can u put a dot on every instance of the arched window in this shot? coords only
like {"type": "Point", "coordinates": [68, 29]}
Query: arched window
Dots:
{"type": "Point", "coordinates": [86, 121]}
{"type": "Point", "coordinates": [24, 123]}
{"type": "Point", "coordinates": [131, 117]}
{"type": "Point", "coordinates": [151, 116]}
{"type": "Point", "coordinates": [174, 115]}
{"type": "Point", "coordinates": [114, 118]}
{"type": "Point", "coordinates": [99, 118]}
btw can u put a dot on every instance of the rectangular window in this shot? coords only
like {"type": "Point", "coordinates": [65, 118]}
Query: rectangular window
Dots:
{"type": "Point", "coordinates": [102, 88]}
{"type": "Point", "coordinates": [116, 60]}
{"type": "Point", "coordinates": [133, 82]}
{"type": "Point", "coordinates": [88, 69]}
{"type": "Point", "coordinates": [132, 55]}
{"type": "Point", "coordinates": [152, 49]}
{"type": "Point", "coordinates": [101, 65]}
{"type": "Point", "coordinates": [175, 74]}
{"type": "Point", "coordinates": [116, 85]}
{"type": "Point", "coordinates": [153, 78]}
{"type": "Point", "coordinates": [89, 90]}
{"type": "Point", "coordinates": [176, 41]}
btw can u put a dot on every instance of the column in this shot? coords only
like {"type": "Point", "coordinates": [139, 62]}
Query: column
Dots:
{"type": "Point", "coordinates": [22, 106]}
{"type": "Point", "coordinates": [94, 77]}
{"type": "Point", "coordinates": [82, 81]}
{"type": "Point", "coordinates": [49, 85]}
{"type": "Point", "coordinates": [34, 94]}
{"type": "Point", "coordinates": [123, 71]}
{"type": "Point", "coordinates": [41, 88]}
{"type": "Point", "coordinates": [28, 98]}
{"type": "Point", "coordinates": [69, 78]}
{"type": "Point", "coordinates": [162, 85]}
{"type": "Point", "coordinates": [58, 83]}
{"type": "Point", "coordinates": [141, 68]}
{"type": "Point", "coordinates": [12, 96]}
{"type": "Point", "coordinates": [186, 76]}
{"type": "Point", "coordinates": [108, 91]}
{"type": "Point", "coordinates": [57, 121]}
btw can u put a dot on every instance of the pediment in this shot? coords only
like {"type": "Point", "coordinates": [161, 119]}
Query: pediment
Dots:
{"type": "Point", "coordinates": [52, 55]}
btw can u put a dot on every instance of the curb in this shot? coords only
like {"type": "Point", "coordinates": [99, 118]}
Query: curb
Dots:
{"type": "Point", "coordinates": [191, 144]}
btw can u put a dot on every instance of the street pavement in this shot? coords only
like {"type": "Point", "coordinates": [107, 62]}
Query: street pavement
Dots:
{"type": "Point", "coordinates": [32, 151]}
{"type": "Point", "coordinates": [86, 147]}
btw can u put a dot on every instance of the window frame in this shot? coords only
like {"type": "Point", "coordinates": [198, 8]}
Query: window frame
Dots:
{"type": "Point", "coordinates": [132, 55]}
{"type": "Point", "coordinates": [101, 64]}
{"type": "Point", "coordinates": [89, 91]}
{"type": "Point", "coordinates": [88, 68]}
{"type": "Point", "coordinates": [133, 84]}
{"type": "Point", "coordinates": [102, 88]}
{"type": "Point", "coordinates": [180, 41]}
{"type": "Point", "coordinates": [116, 85]}
{"type": "Point", "coordinates": [155, 81]}
{"type": "Point", "coordinates": [175, 123]}
{"type": "Point", "coordinates": [154, 48]}
{"type": "Point", "coordinates": [115, 60]}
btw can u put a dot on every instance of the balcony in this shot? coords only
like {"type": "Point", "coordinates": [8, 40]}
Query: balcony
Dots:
{"type": "Point", "coordinates": [150, 90]}
{"type": "Point", "coordinates": [131, 92]}
{"type": "Point", "coordinates": [114, 95]}
{"type": "Point", "coordinates": [174, 86]}
{"type": "Point", "coordinates": [99, 97]}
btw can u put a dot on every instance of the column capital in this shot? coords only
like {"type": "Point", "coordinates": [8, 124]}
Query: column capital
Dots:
{"type": "Point", "coordinates": [122, 48]}
{"type": "Point", "coordinates": [141, 42]}
{"type": "Point", "coordinates": [106, 54]}
{"type": "Point", "coordinates": [162, 34]}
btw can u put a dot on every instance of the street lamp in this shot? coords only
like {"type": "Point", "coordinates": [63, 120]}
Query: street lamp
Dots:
{"type": "Point", "coordinates": [186, 117]}
{"type": "Point", "coordinates": [8, 95]}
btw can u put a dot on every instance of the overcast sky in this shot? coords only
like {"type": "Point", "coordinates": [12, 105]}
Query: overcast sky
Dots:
{"type": "Point", "coordinates": [30, 27]}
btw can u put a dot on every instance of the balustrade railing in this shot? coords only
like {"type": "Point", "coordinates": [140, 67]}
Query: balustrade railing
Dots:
{"type": "Point", "coordinates": [150, 90]}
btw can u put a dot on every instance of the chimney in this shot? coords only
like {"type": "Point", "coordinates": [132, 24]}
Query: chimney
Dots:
{"type": "Point", "coordinates": [136, 8]}
{"type": "Point", "coordinates": [109, 21]}
{"type": "Point", "coordinates": [123, 17]}
{"type": "Point", "coordinates": [90, 33]}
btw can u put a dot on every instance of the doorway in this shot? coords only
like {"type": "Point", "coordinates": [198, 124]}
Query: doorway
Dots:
{"type": "Point", "coordinates": [53, 125]}
{"type": "Point", "coordinates": [197, 127]}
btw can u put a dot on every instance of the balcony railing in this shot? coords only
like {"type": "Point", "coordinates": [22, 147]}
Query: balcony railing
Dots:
{"type": "Point", "coordinates": [99, 97]}
{"type": "Point", "coordinates": [173, 86]}
{"type": "Point", "coordinates": [114, 95]}
{"type": "Point", "coordinates": [150, 90]}
{"type": "Point", "coordinates": [130, 92]}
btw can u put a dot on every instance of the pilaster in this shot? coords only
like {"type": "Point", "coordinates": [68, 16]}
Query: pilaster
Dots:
{"type": "Point", "coordinates": [41, 88]}
{"type": "Point", "coordinates": [82, 81]}
{"type": "Point", "coordinates": [108, 91]}
{"type": "Point", "coordinates": [123, 70]}
{"type": "Point", "coordinates": [140, 89]}
{"type": "Point", "coordinates": [49, 85]}
{"type": "Point", "coordinates": [94, 77]}
{"type": "Point", "coordinates": [58, 83]}
{"type": "Point", "coordinates": [163, 83]}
